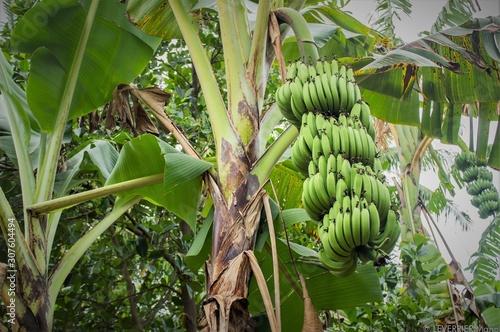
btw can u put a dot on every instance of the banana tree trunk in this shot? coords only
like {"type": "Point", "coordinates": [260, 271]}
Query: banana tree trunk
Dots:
{"type": "Point", "coordinates": [236, 221]}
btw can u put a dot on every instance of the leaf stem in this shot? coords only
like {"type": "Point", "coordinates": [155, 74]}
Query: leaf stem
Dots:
{"type": "Point", "coordinates": [68, 201]}
{"type": "Point", "coordinates": [298, 23]}
{"type": "Point", "coordinates": [70, 258]}
{"type": "Point", "coordinates": [264, 165]}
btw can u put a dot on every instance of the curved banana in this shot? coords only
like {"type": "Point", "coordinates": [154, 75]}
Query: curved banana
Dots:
{"type": "Point", "coordinates": [314, 95]}
{"type": "Point", "coordinates": [325, 144]}
{"type": "Point", "coordinates": [306, 96]}
{"type": "Point", "coordinates": [321, 94]}
{"type": "Point", "coordinates": [342, 87]}
{"type": "Point", "coordinates": [374, 221]}
{"type": "Point", "coordinates": [339, 232]}
{"type": "Point", "coordinates": [325, 81]}
{"type": "Point", "coordinates": [335, 95]}
{"type": "Point", "coordinates": [366, 226]}
{"type": "Point", "coordinates": [357, 227]}
{"type": "Point", "coordinates": [347, 229]}
{"type": "Point", "coordinates": [344, 140]}
{"type": "Point", "coordinates": [331, 184]}
{"type": "Point", "coordinates": [335, 139]}
{"type": "Point", "coordinates": [322, 166]}
{"type": "Point", "coordinates": [311, 123]}
{"type": "Point", "coordinates": [316, 149]}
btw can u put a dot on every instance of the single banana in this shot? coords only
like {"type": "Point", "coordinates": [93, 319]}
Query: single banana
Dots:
{"type": "Point", "coordinates": [320, 122]}
{"type": "Point", "coordinates": [334, 66]}
{"type": "Point", "coordinates": [343, 71]}
{"type": "Point", "coordinates": [312, 169]}
{"type": "Point", "coordinates": [355, 111]}
{"type": "Point", "coordinates": [357, 93]}
{"type": "Point", "coordinates": [316, 149]}
{"type": "Point", "coordinates": [352, 142]}
{"type": "Point", "coordinates": [325, 144]}
{"type": "Point", "coordinates": [314, 95]}
{"type": "Point", "coordinates": [356, 227]}
{"type": "Point", "coordinates": [366, 230]}
{"type": "Point", "coordinates": [344, 140]}
{"type": "Point", "coordinates": [346, 204]}
{"type": "Point", "coordinates": [351, 94]}
{"type": "Point", "coordinates": [306, 96]}
{"type": "Point", "coordinates": [303, 72]}
{"type": "Point", "coordinates": [327, 68]}
{"type": "Point", "coordinates": [291, 70]}
{"type": "Point", "coordinates": [318, 83]}
{"type": "Point", "coordinates": [342, 87]}
{"type": "Point", "coordinates": [384, 202]}
{"type": "Point", "coordinates": [374, 221]}
{"type": "Point", "coordinates": [367, 187]}
{"type": "Point", "coordinates": [345, 172]}
{"type": "Point", "coordinates": [306, 132]}
{"type": "Point", "coordinates": [320, 67]}
{"type": "Point", "coordinates": [312, 72]}
{"type": "Point", "coordinates": [331, 164]}
{"type": "Point", "coordinates": [347, 229]}
{"type": "Point", "coordinates": [335, 95]}
{"type": "Point", "coordinates": [341, 189]}
{"type": "Point", "coordinates": [335, 138]}
{"type": "Point", "coordinates": [331, 184]}
{"type": "Point", "coordinates": [359, 145]}
{"type": "Point", "coordinates": [323, 166]}
{"type": "Point", "coordinates": [311, 122]}
{"type": "Point", "coordinates": [325, 81]}
{"type": "Point", "coordinates": [349, 73]}
{"type": "Point", "coordinates": [357, 184]}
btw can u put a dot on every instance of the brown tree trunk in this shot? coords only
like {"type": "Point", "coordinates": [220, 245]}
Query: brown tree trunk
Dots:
{"type": "Point", "coordinates": [228, 272]}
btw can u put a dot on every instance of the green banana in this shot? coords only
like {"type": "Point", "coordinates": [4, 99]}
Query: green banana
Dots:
{"type": "Point", "coordinates": [325, 81]}
{"type": "Point", "coordinates": [342, 87]}
{"type": "Point", "coordinates": [331, 184]}
{"type": "Point", "coordinates": [316, 149]}
{"type": "Point", "coordinates": [357, 227]}
{"type": "Point", "coordinates": [306, 96]}
{"type": "Point", "coordinates": [318, 83]}
{"type": "Point", "coordinates": [335, 95]}
{"type": "Point", "coordinates": [314, 95]}
{"type": "Point", "coordinates": [335, 140]}
{"type": "Point", "coordinates": [374, 220]}
{"type": "Point", "coordinates": [348, 234]}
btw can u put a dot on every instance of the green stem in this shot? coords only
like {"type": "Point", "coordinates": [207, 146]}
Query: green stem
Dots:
{"type": "Point", "coordinates": [24, 257]}
{"type": "Point", "coordinates": [49, 166]}
{"type": "Point", "coordinates": [19, 127]}
{"type": "Point", "coordinates": [215, 105]}
{"type": "Point", "coordinates": [71, 257]}
{"type": "Point", "coordinates": [265, 164]}
{"type": "Point", "coordinates": [68, 201]}
{"type": "Point", "coordinates": [300, 27]}
{"type": "Point", "coordinates": [257, 59]}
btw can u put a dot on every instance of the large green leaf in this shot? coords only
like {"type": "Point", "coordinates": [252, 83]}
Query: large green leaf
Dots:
{"type": "Point", "coordinates": [52, 29]}
{"type": "Point", "coordinates": [155, 17]}
{"type": "Point", "coordinates": [146, 155]}
{"type": "Point", "coordinates": [469, 52]}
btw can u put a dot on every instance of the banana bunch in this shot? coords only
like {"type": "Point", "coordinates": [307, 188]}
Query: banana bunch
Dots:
{"type": "Point", "coordinates": [344, 189]}
{"type": "Point", "coordinates": [325, 87]}
{"type": "Point", "coordinates": [479, 179]}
